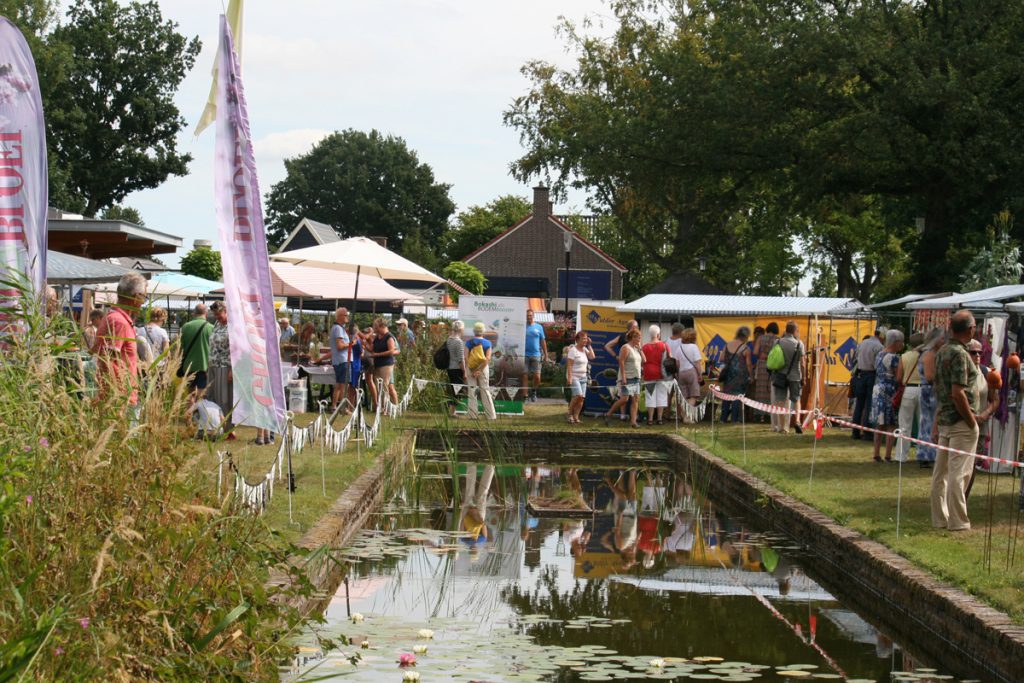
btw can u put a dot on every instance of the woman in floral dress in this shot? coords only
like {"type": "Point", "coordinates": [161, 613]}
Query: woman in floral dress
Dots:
{"type": "Point", "coordinates": [883, 415]}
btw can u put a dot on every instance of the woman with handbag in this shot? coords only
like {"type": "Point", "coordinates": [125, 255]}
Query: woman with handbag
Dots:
{"type": "Point", "coordinates": [908, 393]}
{"type": "Point", "coordinates": [655, 389]}
{"type": "Point", "coordinates": [883, 416]}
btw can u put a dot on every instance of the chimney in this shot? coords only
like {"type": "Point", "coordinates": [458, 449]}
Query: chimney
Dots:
{"type": "Point", "coordinates": [541, 202]}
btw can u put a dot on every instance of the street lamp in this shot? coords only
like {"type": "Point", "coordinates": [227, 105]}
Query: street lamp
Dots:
{"type": "Point", "coordinates": [567, 241]}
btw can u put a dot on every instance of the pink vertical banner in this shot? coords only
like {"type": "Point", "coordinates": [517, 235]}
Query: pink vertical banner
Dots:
{"type": "Point", "coordinates": [23, 180]}
{"type": "Point", "coordinates": [252, 330]}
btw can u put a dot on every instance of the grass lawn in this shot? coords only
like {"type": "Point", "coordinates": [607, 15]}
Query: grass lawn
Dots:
{"type": "Point", "coordinates": [314, 493]}
{"type": "Point", "coordinates": [862, 494]}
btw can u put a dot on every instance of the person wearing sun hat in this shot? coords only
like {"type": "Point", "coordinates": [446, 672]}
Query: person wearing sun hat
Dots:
{"type": "Point", "coordinates": [478, 362]}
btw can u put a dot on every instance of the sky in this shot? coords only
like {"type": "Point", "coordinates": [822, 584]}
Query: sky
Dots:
{"type": "Point", "coordinates": [438, 74]}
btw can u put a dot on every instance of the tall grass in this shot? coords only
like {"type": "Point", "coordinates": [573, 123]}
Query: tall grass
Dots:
{"type": "Point", "coordinates": [117, 562]}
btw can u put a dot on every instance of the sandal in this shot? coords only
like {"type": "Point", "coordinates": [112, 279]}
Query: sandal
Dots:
{"type": "Point", "coordinates": [877, 458]}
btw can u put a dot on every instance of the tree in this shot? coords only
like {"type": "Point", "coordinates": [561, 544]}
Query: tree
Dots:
{"type": "Point", "coordinates": [466, 276]}
{"type": "Point", "coordinates": [478, 225]}
{"type": "Point", "coordinates": [123, 213]}
{"type": "Point", "coordinates": [997, 264]}
{"type": "Point", "coordinates": [362, 184]}
{"type": "Point", "coordinates": [693, 115]}
{"type": "Point", "coordinates": [111, 119]}
{"type": "Point", "coordinates": [202, 262]}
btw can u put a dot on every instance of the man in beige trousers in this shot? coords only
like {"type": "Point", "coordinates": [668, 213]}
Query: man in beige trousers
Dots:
{"type": "Point", "coordinates": [956, 425]}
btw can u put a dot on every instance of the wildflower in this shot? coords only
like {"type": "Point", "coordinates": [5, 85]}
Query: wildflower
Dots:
{"type": "Point", "coordinates": [426, 633]}
{"type": "Point", "coordinates": [406, 659]}
{"type": "Point", "coordinates": [411, 676]}
{"type": "Point", "coordinates": [27, 449]}
{"type": "Point", "coordinates": [58, 651]}
{"type": "Point", "coordinates": [84, 622]}
{"type": "Point", "coordinates": [420, 649]}
{"type": "Point", "coordinates": [657, 663]}
{"type": "Point", "coordinates": [28, 499]}
{"type": "Point", "coordinates": [357, 617]}
{"type": "Point", "coordinates": [44, 442]}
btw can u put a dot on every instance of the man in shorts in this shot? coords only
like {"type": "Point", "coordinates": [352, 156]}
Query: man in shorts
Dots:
{"type": "Point", "coordinates": [536, 354]}
{"type": "Point", "coordinates": [340, 350]}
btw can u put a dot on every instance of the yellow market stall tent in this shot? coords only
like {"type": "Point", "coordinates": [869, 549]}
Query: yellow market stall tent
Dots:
{"type": "Point", "coordinates": [831, 329]}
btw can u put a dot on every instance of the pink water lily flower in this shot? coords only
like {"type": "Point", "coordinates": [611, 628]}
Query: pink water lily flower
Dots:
{"type": "Point", "coordinates": [406, 659]}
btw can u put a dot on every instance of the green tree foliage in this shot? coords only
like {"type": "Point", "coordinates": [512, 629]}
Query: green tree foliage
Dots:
{"type": "Point", "coordinates": [691, 116]}
{"type": "Point", "coordinates": [998, 263]}
{"type": "Point", "coordinates": [478, 225]}
{"type": "Point", "coordinates": [362, 184]}
{"type": "Point", "coordinates": [202, 262]}
{"type": "Point", "coordinates": [123, 213]}
{"type": "Point", "coordinates": [466, 276]}
{"type": "Point", "coordinates": [112, 123]}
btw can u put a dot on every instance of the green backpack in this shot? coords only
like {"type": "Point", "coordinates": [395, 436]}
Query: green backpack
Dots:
{"type": "Point", "coordinates": [776, 358]}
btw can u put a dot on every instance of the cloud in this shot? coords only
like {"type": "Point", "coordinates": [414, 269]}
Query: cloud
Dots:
{"type": "Point", "coordinates": [277, 147]}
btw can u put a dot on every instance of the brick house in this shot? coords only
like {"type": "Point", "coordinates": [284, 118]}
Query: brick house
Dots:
{"type": "Point", "coordinates": [529, 260]}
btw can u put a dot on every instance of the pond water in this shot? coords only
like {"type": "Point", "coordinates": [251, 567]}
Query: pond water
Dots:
{"type": "Point", "coordinates": [485, 576]}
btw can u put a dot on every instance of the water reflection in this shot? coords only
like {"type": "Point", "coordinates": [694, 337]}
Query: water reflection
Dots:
{"type": "Point", "coordinates": [620, 566]}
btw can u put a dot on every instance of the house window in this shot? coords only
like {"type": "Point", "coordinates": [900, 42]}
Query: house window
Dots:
{"type": "Point", "coordinates": [586, 284]}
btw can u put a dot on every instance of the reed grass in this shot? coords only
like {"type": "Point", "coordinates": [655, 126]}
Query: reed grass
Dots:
{"type": "Point", "coordinates": [117, 560]}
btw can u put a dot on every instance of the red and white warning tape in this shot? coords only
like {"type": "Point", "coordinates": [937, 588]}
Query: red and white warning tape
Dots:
{"type": "Point", "coordinates": [820, 417]}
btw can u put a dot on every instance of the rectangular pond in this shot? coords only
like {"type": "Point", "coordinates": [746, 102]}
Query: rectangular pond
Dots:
{"type": "Point", "coordinates": [503, 572]}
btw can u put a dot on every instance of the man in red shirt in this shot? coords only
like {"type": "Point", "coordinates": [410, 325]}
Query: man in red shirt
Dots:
{"type": "Point", "coordinates": [116, 354]}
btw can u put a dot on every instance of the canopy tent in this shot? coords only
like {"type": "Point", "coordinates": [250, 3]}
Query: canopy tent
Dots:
{"type": "Point", "coordinates": [830, 327]}
{"type": "Point", "coordinates": [981, 298]}
{"type": "Point", "coordinates": [66, 269]}
{"type": "Point", "coordinates": [174, 284]}
{"type": "Point", "coordinates": [712, 304]}
{"type": "Point", "coordinates": [909, 298]}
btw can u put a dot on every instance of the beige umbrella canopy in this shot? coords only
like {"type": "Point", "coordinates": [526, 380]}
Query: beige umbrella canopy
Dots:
{"type": "Point", "coordinates": [320, 283]}
{"type": "Point", "coordinates": [359, 255]}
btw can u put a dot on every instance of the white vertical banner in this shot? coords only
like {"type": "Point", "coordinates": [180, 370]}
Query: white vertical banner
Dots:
{"type": "Point", "coordinates": [252, 329]}
{"type": "Point", "coordinates": [24, 185]}
{"type": "Point", "coordinates": [504, 318]}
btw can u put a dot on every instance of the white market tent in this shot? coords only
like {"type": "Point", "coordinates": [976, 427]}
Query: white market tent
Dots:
{"type": "Point", "coordinates": [729, 305]}
{"type": "Point", "coordinates": [983, 298]}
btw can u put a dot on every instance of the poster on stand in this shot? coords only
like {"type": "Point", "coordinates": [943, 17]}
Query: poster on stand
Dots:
{"type": "Point", "coordinates": [602, 323]}
{"type": "Point", "coordinates": [504, 318]}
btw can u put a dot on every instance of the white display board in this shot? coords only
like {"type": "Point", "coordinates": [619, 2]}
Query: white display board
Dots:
{"type": "Point", "coordinates": [504, 318]}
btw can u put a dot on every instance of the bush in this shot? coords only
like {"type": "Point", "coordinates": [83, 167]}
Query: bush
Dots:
{"type": "Point", "coordinates": [117, 560]}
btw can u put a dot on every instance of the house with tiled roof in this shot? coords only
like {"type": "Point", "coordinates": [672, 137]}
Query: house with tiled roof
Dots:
{"type": "Point", "coordinates": [541, 256]}
{"type": "Point", "coordinates": [309, 233]}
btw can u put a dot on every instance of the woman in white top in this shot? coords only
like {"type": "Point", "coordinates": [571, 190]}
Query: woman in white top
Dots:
{"type": "Point", "coordinates": [577, 360]}
{"type": "Point", "coordinates": [156, 335]}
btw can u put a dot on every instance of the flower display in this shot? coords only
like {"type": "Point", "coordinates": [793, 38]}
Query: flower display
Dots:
{"type": "Point", "coordinates": [426, 633]}
{"type": "Point", "coordinates": [411, 676]}
{"type": "Point", "coordinates": [406, 659]}
{"type": "Point", "coordinates": [357, 617]}
{"type": "Point", "coordinates": [365, 645]}
{"type": "Point", "coordinates": [657, 663]}
{"type": "Point", "coordinates": [420, 649]}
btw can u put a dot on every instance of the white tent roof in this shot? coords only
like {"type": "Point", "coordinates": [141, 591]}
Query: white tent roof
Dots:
{"type": "Point", "coordinates": [909, 298]}
{"type": "Point", "coordinates": [362, 253]}
{"type": "Point", "coordinates": [1000, 293]}
{"type": "Point", "coordinates": [320, 283]}
{"type": "Point", "coordinates": [710, 304]}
